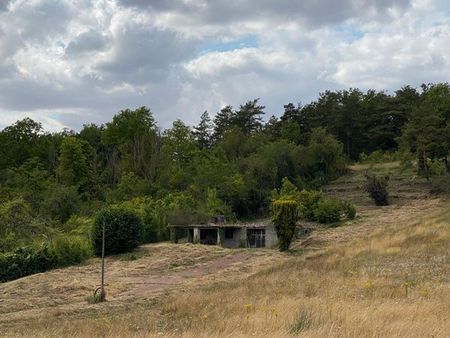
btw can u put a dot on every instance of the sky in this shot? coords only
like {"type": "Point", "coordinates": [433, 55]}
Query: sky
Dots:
{"type": "Point", "coordinates": [69, 62]}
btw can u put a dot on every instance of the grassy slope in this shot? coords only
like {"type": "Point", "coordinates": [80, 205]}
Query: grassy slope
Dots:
{"type": "Point", "coordinates": [387, 273]}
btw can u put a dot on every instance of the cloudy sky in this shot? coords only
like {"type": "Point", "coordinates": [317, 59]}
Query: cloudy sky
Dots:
{"type": "Point", "coordinates": [69, 62]}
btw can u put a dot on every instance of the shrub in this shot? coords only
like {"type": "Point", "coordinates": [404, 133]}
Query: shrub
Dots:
{"type": "Point", "coordinates": [348, 209]}
{"type": "Point", "coordinates": [153, 215]}
{"type": "Point", "coordinates": [79, 226]}
{"type": "Point", "coordinates": [26, 261]}
{"type": "Point", "coordinates": [377, 189]}
{"type": "Point", "coordinates": [314, 206]}
{"type": "Point", "coordinates": [440, 184]}
{"type": "Point", "coordinates": [379, 156]}
{"type": "Point", "coordinates": [18, 227]}
{"type": "Point", "coordinates": [309, 201]}
{"type": "Point", "coordinates": [328, 211]}
{"type": "Point", "coordinates": [70, 249]}
{"type": "Point", "coordinates": [96, 298]}
{"type": "Point", "coordinates": [284, 217]}
{"type": "Point", "coordinates": [62, 203]}
{"type": "Point", "coordinates": [437, 168]}
{"type": "Point", "coordinates": [123, 231]}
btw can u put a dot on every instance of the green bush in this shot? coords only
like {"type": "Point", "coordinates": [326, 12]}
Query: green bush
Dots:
{"type": "Point", "coordinates": [314, 206]}
{"type": "Point", "coordinates": [70, 250]}
{"type": "Point", "coordinates": [123, 231]}
{"type": "Point", "coordinates": [79, 226]}
{"type": "Point", "coordinates": [309, 201]}
{"type": "Point", "coordinates": [26, 261]}
{"type": "Point", "coordinates": [284, 218]}
{"type": "Point", "coordinates": [18, 226]}
{"type": "Point", "coordinates": [348, 209]}
{"type": "Point", "coordinates": [377, 189]}
{"type": "Point", "coordinates": [328, 211]}
{"type": "Point", "coordinates": [154, 216]}
{"type": "Point", "coordinates": [62, 203]}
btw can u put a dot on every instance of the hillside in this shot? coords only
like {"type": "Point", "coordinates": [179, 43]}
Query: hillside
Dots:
{"type": "Point", "coordinates": [386, 273]}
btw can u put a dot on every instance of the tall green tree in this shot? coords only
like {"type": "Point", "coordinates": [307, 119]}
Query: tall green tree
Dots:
{"type": "Point", "coordinates": [249, 117]}
{"type": "Point", "coordinates": [72, 168]}
{"type": "Point", "coordinates": [177, 153]}
{"type": "Point", "coordinates": [133, 142]}
{"type": "Point", "coordinates": [18, 142]}
{"type": "Point", "coordinates": [223, 122]}
{"type": "Point", "coordinates": [272, 128]}
{"type": "Point", "coordinates": [427, 133]}
{"type": "Point", "coordinates": [203, 131]}
{"type": "Point", "coordinates": [294, 124]}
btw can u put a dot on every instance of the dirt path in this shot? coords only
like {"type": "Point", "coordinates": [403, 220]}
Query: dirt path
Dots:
{"type": "Point", "coordinates": [150, 285]}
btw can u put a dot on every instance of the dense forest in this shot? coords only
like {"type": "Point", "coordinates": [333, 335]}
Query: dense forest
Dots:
{"type": "Point", "coordinates": [52, 184]}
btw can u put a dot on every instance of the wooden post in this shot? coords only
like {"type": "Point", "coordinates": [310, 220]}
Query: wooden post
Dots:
{"type": "Point", "coordinates": [102, 295]}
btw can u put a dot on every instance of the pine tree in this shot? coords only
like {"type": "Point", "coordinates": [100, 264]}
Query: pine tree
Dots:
{"type": "Point", "coordinates": [248, 117]}
{"type": "Point", "coordinates": [426, 134]}
{"type": "Point", "coordinates": [203, 131]}
{"type": "Point", "coordinates": [223, 122]}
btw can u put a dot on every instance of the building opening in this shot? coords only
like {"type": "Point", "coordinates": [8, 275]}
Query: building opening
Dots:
{"type": "Point", "coordinates": [256, 238]}
{"type": "Point", "coordinates": [229, 233]}
{"type": "Point", "coordinates": [208, 236]}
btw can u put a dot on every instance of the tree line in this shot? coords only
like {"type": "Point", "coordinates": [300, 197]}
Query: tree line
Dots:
{"type": "Point", "coordinates": [228, 163]}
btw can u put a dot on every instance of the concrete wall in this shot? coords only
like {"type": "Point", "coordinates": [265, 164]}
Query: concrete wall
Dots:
{"type": "Point", "coordinates": [271, 237]}
{"type": "Point", "coordinates": [238, 240]}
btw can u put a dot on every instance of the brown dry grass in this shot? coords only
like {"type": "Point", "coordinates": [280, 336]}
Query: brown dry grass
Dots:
{"type": "Point", "coordinates": [386, 274]}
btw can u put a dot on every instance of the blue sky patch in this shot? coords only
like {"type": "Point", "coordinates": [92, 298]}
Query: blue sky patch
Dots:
{"type": "Point", "coordinates": [219, 46]}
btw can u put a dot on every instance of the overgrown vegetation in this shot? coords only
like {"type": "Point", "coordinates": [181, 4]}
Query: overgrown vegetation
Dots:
{"type": "Point", "coordinates": [24, 261]}
{"type": "Point", "coordinates": [373, 278]}
{"type": "Point", "coordinates": [284, 217]}
{"type": "Point", "coordinates": [314, 206]}
{"type": "Point", "coordinates": [228, 164]}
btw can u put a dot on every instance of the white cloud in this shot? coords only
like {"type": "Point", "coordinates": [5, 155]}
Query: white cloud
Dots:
{"type": "Point", "coordinates": [68, 62]}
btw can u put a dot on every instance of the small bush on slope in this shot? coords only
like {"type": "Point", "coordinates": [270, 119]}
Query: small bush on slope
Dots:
{"type": "Point", "coordinates": [328, 211]}
{"type": "Point", "coordinates": [377, 189]}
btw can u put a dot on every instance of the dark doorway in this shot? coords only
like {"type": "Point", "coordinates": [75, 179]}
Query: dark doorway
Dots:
{"type": "Point", "coordinates": [190, 236]}
{"type": "Point", "coordinates": [229, 233]}
{"type": "Point", "coordinates": [256, 238]}
{"type": "Point", "coordinates": [208, 236]}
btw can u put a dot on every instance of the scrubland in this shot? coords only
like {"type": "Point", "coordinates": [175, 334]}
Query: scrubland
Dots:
{"type": "Point", "coordinates": [384, 274]}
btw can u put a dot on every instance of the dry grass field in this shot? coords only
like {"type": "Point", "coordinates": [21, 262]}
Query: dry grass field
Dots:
{"type": "Point", "coordinates": [384, 274]}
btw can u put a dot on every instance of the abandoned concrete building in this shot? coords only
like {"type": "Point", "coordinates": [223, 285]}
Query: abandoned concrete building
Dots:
{"type": "Point", "coordinates": [258, 234]}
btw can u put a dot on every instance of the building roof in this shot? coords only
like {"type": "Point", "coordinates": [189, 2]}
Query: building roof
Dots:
{"type": "Point", "coordinates": [263, 223]}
